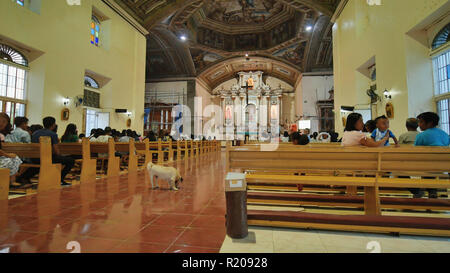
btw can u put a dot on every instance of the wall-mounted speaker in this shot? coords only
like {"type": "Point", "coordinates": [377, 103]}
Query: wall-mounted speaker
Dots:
{"type": "Point", "coordinates": [121, 110]}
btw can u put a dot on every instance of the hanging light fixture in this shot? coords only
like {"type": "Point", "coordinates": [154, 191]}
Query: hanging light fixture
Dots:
{"type": "Point", "coordinates": [387, 94]}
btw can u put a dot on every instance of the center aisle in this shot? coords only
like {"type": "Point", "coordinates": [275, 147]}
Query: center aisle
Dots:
{"type": "Point", "coordinates": [123, 214]}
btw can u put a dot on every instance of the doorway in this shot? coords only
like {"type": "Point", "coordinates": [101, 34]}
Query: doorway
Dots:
{"type": "Point", "coordinates": [95, 119]}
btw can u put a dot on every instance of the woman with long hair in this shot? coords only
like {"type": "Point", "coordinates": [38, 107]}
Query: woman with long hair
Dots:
{"type": "Point", "coordinates": [71, 134]}
{"type": "Point", "coordinates": [353, 135]}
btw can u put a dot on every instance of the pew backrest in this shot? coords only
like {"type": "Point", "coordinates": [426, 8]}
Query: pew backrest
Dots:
{"type": "Point", "coordinates": [385, 159]}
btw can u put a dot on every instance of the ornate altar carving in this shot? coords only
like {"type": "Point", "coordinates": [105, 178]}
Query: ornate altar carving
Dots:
{"type": "Point", "coordinates": [250, 115]}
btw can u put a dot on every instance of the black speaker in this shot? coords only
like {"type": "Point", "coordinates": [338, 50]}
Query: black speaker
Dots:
{"type": "Point", "coordinates": [347, 108]}
{"type": "Point", "coordinates": [121, 110]}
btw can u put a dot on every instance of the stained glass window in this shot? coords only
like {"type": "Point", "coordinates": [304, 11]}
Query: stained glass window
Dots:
{"type": "Point", "coordinates": [95, 31]}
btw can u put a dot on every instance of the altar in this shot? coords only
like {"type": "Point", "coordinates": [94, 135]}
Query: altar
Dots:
{"type": "Point", "coordinates": [251, 108]}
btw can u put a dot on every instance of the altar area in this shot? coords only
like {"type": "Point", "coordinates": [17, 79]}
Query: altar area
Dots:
{"type": "Point", "coordinates": [251, 108]}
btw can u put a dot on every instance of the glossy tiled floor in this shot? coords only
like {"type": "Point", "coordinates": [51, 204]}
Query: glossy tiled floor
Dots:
{"type": "Point", "coordinates": [122, 214]}
{"type": "Point", "coordinates": [284, 240]}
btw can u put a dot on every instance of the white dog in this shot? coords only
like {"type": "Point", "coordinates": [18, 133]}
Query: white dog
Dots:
{"type": "Point", "coordinates": [170, 174]}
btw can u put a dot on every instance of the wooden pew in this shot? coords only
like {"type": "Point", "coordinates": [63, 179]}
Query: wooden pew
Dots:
{"type": "Point", "coordinates": [49, 174]}
{"type": "Point", "coordinates": [113, 161]}
{"type": "Point", "coordinates": [129, 148]}
{"type": "Point", "coordinates": [88, 165]}
{"type": "Point", "coordinates": [382, 163]}
{"type": "Point", "coordinates": [4, 184]}
{"type": "Point", "coordinates": [143, 148]}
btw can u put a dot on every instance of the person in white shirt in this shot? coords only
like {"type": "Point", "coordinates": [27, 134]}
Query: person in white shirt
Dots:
{"type": "Point", "coordinates": [324, 137]}
{"type": "Point", "coordinates": [285, 137]}
{"type": "Point", "coordinates": [104, 138]}
{"type": "Point", "coordinates": [127, 136]}
{"type": "Point", "coordinates": [20, 134]}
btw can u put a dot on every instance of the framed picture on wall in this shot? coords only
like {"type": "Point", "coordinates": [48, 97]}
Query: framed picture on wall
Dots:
{"type": "Point", "coordinates": [65, 113]}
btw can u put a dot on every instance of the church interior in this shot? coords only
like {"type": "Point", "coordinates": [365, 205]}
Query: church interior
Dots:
{"type": "Point", "coordinates": [224, 126]}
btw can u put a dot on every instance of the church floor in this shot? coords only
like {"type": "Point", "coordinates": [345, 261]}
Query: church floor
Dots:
{"type": "Point", "coordinates": [122, 214]}
{"type": "Point", "coordinates": [280, 240]}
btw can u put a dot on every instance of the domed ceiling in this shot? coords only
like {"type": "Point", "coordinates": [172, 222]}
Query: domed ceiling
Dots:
{"type": "Point", "coordinates": [191, 38]}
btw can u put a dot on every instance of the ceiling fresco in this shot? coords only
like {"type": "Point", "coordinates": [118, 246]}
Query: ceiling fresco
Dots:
{"type": "Point", "coordinates": [294, 34]}
{"type": "Point", "coordinates": [241, 12]}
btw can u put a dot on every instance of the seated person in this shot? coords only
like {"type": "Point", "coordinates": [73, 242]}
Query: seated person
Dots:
{"type": "Point", "coordinates": [66, 161]}
{"type": "Point", "coordinates": [313, 137]}
{"type": "Point", "coordinates": [299, 139]}
{"type": "Point", "coordinates": [20, 134]}
{"type": "Point", "coordinates": [382, 129]}
{"type": "Point", "coordinates": [324, 137]}
{"type": "Point", "coordinates": [35, 127]}
{"type": "Point", "coordinates": [70, 135]}
{"type": "Point", "coordinates": [285, 137]}
{"type": "Point", "coordinates": [410, 136]}
{"type": "Point", "coordinates": [353, 135]}
{"type": "Point", "coordinates": [127, 136]}
{"type": "Point", "coordinates": [430, 136]}
{"type": "Point", "coordinates": [370, 126]}
{"type": "Point", "coordinates": [8, 160]}
{"type": "Point", "coordinates": [103, 136]}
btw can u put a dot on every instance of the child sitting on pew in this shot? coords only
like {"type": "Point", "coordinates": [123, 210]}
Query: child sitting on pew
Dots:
{"type": "Point", "coordinates": [382, 129]}
{"type": "Point", "coordinates": [353, 135]}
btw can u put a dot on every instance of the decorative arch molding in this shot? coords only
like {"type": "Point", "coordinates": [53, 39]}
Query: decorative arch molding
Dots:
{"type": "Point", "coordinates": [227, 69]}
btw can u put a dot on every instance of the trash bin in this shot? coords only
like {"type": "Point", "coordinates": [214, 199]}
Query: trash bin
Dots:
{"type": "Point", "coordinates": [236, 197]}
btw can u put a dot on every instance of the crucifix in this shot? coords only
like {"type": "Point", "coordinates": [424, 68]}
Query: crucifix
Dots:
{"type": "Point", "coordinates": [248, 87]}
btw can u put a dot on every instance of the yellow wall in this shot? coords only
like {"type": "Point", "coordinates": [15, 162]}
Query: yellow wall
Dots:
{"type": "Point", "coordinates": [403, 64]}
{"type": "Point", "coordinates": [62, 33]}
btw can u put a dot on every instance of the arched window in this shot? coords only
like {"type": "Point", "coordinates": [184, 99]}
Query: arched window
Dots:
{"type": "Point", "coordinates": [441, 72]}
{"type": "Point", "coordinates": [95, 31]}
{"type": "Point", "coordinates": [90, 82]}
{"type": "Point", "coordinates": [442, 37]}
{"type": "Point", "coordinates": [9, 54]}
{"type": "Point", "coordinates": [13, 74]}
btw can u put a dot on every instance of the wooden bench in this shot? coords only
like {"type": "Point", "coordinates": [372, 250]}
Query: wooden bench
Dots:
{"type": "Point", "coordinates": [110, 149]}
{"type": "Point", "coordinates": [357, 202]}
{"type": "Point", "coordinates": [130, 149]}
{"type": "Point", "coordinates": [370, 168]}
{"type": "Point", "coordinates": [4, 184]}
{"type": "Point", "coordinates": [49, 174]}
{"type": "Point", "coordinates": [88, 165]}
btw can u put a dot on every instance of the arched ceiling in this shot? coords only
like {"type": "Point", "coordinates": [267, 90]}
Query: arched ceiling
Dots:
{"type": "Point", "coordinates": [295, 34]}
{"type": "Point", "coordinates": [227, 69]}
